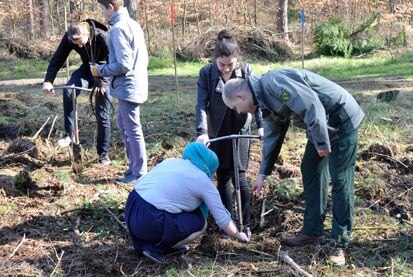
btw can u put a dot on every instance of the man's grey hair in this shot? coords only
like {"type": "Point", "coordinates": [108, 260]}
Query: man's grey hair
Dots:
{"type": "Point", "coordinates": [233, 86]}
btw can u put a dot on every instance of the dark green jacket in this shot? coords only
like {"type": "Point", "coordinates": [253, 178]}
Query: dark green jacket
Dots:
{"type": "Point", "coordinates": [326, 110]}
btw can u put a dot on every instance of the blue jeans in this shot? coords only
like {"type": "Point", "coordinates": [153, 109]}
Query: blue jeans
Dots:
{"type": "Point", "coordinates": [130, 129]}
{"type": "Point", "coordinates": [102, 109]}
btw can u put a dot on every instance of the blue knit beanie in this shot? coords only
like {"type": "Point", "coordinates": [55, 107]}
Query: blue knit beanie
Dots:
{"type": "Point", "coordinates": [202, 157]}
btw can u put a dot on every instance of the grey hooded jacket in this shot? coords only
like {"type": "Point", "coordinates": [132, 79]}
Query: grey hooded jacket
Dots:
{"type": "Point", "coordinates": [326, 110]}
{"type": "Point", "coordinates": [128, 59]}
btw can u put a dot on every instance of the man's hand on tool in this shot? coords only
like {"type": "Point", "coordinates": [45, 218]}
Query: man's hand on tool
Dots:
{"type": "Point", "coordinates": [94, 69]}
{"type": "Point", "coordinates": [260, 133]}
{"type": "Point", "coordinates": [257, 187]}
{"type": "Point", "coordinates": [324, 153]}
{"type": "Point", "coordinates": [203, 138]}
{"type": "Point", "coordinates": [48, 87]}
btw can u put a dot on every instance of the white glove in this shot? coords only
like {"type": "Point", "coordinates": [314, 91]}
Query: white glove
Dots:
{"type": "Point", "coordinates": [260, 133]}
{"type": "Point", "coordinates": [48, 87]}
{"type": "Point", "coordinates": [243, 237]}
{"type": "Point", "coordinates": [203, 138]}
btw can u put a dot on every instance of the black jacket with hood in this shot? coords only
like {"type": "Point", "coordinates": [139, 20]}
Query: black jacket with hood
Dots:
{"type": "Point", "coordinates": [95, 48]}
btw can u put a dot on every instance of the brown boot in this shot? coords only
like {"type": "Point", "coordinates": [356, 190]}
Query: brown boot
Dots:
{"type": "Point", "coordinates": [302, 239]}
{"type": "Point", "coordinates": [337, 256]}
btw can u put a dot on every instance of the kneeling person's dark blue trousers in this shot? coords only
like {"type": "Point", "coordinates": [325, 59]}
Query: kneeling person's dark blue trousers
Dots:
{"type": "Point", "coordinates": [156, 230]}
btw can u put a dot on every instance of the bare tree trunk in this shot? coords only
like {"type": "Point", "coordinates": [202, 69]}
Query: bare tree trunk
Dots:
{"type": "Point", "coordinates": [282, 23]}
{"type": "Point", "coordinates": [197, 17]}
{"type": "Point", "coordinates": [31, 20]}
{"type": "Point", "coordinates": [52, 21]}
{"type": "Point", "coordinates": [131, 6]}
{"type": "Point", "coordinates": [184, 19]}
{"type": "Point", "coordinates": [148, 35]}
{"type": "Point", "coordinates": [45, 18]}
{"type": "Point", "coordinates": [243, 6]}
{"type": "Point", "coordinates": [224, 8]}
{"type": "Point", "coordinates": [255, 13]}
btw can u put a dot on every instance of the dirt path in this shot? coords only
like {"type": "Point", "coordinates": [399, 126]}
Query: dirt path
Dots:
{"type": "Point", "coordinates": [167, 83]}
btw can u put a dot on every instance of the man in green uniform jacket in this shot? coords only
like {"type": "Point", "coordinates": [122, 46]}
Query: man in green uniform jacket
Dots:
{"type": "Point", "coordinates": [331, 118]}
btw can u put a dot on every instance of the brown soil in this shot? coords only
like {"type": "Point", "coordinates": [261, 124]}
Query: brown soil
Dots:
{"type": "Point", "coordinates": [54, 222]}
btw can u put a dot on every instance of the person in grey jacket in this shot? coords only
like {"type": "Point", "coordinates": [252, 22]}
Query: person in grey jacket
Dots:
{"type": "Point", "coordinates": [214, 119]}
{"type": "Point", "coordinates": [331, 118]}
{"type": "Point", "coordinates": [127, 68]}
{"type": "Point", "coordinates": [164, 211]}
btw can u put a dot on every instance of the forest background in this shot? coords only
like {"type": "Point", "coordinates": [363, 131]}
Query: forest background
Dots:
{"type": "Point", "coordinates": [366, 24]}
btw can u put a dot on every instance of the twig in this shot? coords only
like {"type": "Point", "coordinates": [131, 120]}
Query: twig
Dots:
{"type": "Point", "coordinates": [117, 253]}
{"type": "Point", "coordinates": [71, 210]}
{"type": "Point", "coordinates": [189, 272]}
{"type": "Point", "coordinates": [405, 221]}
{"type": "Point", "coordinates": [391, 158]}
{"type": "Point", "coordinates": [41, 128]}
{"type": "Point", "coordinates": [267, 212]}
{"type": "Point", "coordinates": [59, 260]}
{"type": "Point", "coordinates": [262, 220]}
{"type": "Point", "coordinates": [398, 196]}
{"type": "Point", "coordinates": [374, 228]}
{"type": "Point", "coordinates": [380, 133]}
{"type": "Point", "coordinates": [214, 264]}
{"type": "Point", "coordinates": [116, 218]}
{"type": "Point", "coordinates": [51, 128]}
{"type": "Point", "coordinates": [374, 203]}
{"type": "Point", "coordinates": [12, 155]}
{"type": "Point", "coordinates": [286, 259]}
{"type": "Point", "coordinates": [18, 246]}
{"type": "Point", "coordinates": [135, 272]}
{"type": "Point", "coordinates": [261, 253]}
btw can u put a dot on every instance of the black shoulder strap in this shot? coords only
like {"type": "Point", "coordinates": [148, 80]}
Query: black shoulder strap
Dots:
{"type": "Point", "coordinates": [208, 81]}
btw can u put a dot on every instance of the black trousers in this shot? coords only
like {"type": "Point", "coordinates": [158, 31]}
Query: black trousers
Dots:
{"type": "Point", "coordinates": [103, 106]}
{"type": "Point", "coordinates": [224, 178]}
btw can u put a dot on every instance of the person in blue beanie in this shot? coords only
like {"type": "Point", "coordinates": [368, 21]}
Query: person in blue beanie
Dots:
{"type": "Point", "coordinates": [164, 212]}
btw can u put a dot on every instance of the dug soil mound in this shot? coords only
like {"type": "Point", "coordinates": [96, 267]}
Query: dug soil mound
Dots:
{"type": "Point", "coordinates": [254, 43]}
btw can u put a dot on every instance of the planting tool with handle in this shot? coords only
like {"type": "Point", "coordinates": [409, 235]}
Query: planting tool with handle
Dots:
{"type": "Point", "coordinates": [77, 164]}
{"type": "Point", "coordinates": [235, 156]}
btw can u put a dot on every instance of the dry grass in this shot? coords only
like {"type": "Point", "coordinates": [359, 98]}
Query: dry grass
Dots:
{"type": "Point", "coordinates": [56, 223]}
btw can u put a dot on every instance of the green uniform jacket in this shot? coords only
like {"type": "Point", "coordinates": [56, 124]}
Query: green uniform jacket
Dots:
{"type": "Point", "coordinates": [326, 110]}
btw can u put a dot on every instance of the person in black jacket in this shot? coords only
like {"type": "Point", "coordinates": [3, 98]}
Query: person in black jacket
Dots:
{"type": "Point", "coordinates": [214, 119]}
{"type": "Point", "coordinates": [89, 39]}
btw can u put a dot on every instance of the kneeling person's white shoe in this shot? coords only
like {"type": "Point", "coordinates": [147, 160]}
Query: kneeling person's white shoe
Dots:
{"type": "Point", "coordinates": [64, 142]}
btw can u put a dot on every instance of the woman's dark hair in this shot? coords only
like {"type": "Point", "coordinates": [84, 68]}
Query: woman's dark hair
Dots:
{"type": "Point", "coordinates": [226, 45]}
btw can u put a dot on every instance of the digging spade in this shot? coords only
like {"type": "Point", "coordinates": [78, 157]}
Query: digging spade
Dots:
{"type": "Point", "coordinates": [235, 156]}
{"type": "Point", "coordinates": [77, 164]}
